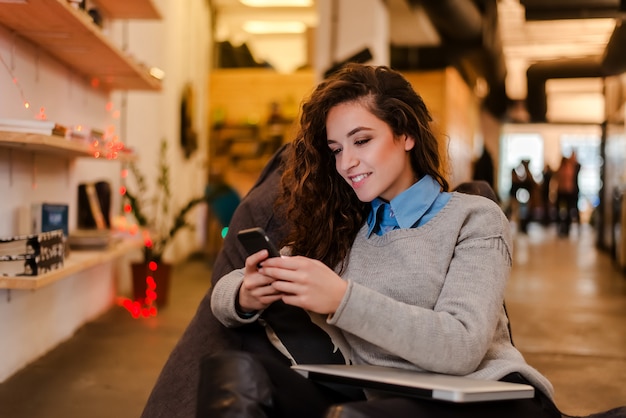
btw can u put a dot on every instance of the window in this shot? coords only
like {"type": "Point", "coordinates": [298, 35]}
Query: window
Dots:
{"type": "Point", "coordinates": [587, 148]}
{"type": "Point", "coordinates": [514, 148]}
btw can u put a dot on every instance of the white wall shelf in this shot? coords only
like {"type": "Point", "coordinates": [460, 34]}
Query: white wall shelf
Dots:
{"type": "Point", "coordinates": [70, 36]}
{"type": "Point", "coordinates": [76, 262]}
{"type": "Point", "coordinates": [58, 145]}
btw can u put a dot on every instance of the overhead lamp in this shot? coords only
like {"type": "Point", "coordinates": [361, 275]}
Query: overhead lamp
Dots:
{"type": "Point", "coordinates": [157, 73]}
{"type": "Point", "coordinates": [264, 27]}
{"type": "Point", "coordinates": [277, 3]}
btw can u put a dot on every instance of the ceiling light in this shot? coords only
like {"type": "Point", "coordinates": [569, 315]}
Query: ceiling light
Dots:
{"type": "Point", "coordinates": [157, 73]}
{"type": "Point", "coordinates": [261, 27]}
{"type": "Point", "coordinates": [277, 3]}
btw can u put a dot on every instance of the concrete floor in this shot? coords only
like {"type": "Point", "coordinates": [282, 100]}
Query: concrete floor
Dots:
{"type": "Point", "coordinates": [566, 300]}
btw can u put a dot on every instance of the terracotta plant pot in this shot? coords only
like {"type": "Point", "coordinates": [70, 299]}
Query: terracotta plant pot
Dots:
{"type": "Point", "coordinates": [161, 277]}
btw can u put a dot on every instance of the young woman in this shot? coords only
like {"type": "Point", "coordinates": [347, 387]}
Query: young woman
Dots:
{"type": "Point", "coordinates": [396, 269]}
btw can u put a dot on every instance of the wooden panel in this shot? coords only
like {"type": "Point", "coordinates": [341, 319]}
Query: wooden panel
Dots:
{"type": "Point", "coordinates": [462, 120]}
{"type": "Point", "coordinates": [455, 113]}
{"type": "Point", "coordinates": [244, 95]}
{"type": "Point", "coordinates": [129, 9]}
{"type": "Point", "coordinates": [461, 108]}
{"type": "Point", "coordinates": [431, 86]}
{"type": "Point", "coordinates": [70, 36]}
{"type": "Point", "coordinates": [239, 104]}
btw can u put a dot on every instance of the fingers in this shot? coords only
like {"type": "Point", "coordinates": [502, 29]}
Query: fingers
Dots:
{"type": "Point", "coordinates": [256, 291]}
{"type": "Point", "coordinates": [266, 294]}
{"type": "Point", "coordinates": [305, 283]}
{"type": "Point", "coordinates": [255, 280]}
{"type": "Point", "coordinates": [284, 286]}
{"type": "Point", "coordinates": [286, 263]}
{"type": "Point", "coordinates": [253, 261]}
{"type": "Point", "coordinates": [290, 269]}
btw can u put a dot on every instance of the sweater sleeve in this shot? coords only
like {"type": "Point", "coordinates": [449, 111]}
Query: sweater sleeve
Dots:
{"type": "Point", "coordinates": [451, 330]}
{"type": "Point", "coordinates": [223, 297]}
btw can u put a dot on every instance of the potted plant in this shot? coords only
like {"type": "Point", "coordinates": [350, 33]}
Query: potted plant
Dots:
{"type": "Point", "coordinates": [159, 224]}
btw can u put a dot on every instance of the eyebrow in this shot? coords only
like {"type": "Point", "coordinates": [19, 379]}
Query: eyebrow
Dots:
{"type": "Point", "coordinates": [351, 133]}
{"type": "Point", "coordinates": [358, 129]}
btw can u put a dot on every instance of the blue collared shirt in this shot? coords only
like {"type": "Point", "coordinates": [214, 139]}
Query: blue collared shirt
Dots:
{"type": "Point", "coordinates": [412, 208]}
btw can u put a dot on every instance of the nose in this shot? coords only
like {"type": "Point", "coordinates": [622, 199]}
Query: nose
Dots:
{"type": "Point", "coordinates": [347, 160]}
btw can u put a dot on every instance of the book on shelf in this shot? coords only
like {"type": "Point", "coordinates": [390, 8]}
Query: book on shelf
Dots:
{"type": "Point", "coordinates": [19, 247]}
{"type": "Point", "coordinates": [47, 217]}
{"type": "Point", "coordinates": [18, 265]}
{"type": "Point", "coordinates": [94, 205]}
{"type": "Point", "coordinates": [32, 126]}
{"type": "Point", "coordinates": [34, 254]}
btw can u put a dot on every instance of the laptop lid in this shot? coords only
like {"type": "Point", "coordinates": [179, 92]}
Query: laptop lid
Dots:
{"type": "Point", "coordinates": [419, 384]}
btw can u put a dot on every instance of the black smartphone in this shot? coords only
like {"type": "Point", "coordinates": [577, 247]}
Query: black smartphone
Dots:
{"type": "Point", "coordinates": [255, 240]}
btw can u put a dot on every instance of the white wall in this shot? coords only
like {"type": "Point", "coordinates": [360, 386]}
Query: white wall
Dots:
{"type": "Point", "coordinates": [33, 322]}
{"type": "Point", "coordinates": [179, 45]}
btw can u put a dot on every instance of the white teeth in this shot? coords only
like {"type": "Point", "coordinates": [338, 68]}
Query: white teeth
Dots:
{"type": "Point", "coordinates": [358, 178]}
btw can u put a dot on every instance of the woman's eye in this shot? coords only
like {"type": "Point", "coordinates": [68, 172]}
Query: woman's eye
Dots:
{"type": "Point", "coordinates": [335, 151]}
{"type": "Point", "coordinates": [362, 141]}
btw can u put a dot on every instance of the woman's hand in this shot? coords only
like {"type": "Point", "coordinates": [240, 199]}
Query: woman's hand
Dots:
{"type": "Point", "coordinates": [306, 283]}
{"type": "Point", "coordinates": [256, 292]}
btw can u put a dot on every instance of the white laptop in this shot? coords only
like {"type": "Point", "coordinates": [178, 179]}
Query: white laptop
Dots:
{"type": "Point", "coordinates": [419, 384]}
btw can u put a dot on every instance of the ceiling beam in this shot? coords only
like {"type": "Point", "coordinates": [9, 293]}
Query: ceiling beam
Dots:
{"type": "Point", "coordinates": [570, 9]}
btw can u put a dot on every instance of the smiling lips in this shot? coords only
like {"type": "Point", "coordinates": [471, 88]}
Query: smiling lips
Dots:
{"type": "Point", "coordinates": [357, 179]}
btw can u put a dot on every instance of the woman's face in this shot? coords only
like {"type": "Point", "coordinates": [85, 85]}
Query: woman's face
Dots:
{"type": "Point", "coordinates": [366, 153]}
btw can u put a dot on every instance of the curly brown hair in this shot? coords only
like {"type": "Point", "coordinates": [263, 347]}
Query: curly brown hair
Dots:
{"type": "Point", "coordinates": [322, 210]}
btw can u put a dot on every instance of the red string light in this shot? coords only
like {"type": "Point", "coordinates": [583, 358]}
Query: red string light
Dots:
{"type": "Point", "coordinates": [143, 307]}
{"type": "Point", "coordinates": [42, 114]}
{"type": "Point", "coordinates": [113, 147]}
{"type": "Point", "coordinates": [16, 82]}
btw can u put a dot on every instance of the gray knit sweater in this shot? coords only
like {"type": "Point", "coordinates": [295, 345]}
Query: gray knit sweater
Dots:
{"type": "Point", "coordinates": [427, 298]}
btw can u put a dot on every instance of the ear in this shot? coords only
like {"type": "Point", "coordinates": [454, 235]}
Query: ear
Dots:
{"type": "Point", "coordinates": [409, 143]}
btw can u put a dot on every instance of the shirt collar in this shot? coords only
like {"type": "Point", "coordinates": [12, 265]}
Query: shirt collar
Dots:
{"type": "Point", "coordinates": [410, 205]}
